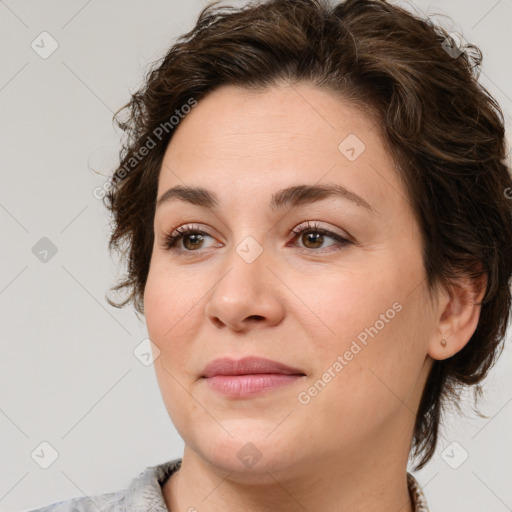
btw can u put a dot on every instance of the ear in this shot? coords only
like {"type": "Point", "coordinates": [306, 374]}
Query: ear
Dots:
{"type": "Point", "coordinates": [458, 313]}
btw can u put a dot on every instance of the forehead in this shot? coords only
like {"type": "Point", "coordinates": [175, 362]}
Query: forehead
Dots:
{"type": "Point", "coordinates": [258, 142]}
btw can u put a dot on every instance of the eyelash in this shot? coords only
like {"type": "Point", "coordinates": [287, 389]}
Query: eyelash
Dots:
{"type": "Point", "coordinates": [173, 238]}
{"type": "Point", "coordinates": [315, 228]}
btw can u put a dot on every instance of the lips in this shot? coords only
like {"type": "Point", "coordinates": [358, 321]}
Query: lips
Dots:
{"type": "Point", "coordinates": [247, 366]}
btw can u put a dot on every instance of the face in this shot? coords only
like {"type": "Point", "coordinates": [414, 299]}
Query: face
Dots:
{"type": "Point", "coordinates": [328, 283]}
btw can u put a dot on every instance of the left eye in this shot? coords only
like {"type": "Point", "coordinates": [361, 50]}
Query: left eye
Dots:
{"type": "Point", "coordinates": [314, 237]}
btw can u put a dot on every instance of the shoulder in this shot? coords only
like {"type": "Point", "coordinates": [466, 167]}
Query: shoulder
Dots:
{"type": "Point", "coordinates": [143, 493]}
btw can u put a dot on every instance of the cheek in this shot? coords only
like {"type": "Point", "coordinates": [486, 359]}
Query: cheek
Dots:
{"type": "Point", "coordinates": [165, 310]}
{"type": "Point", "coordinates": [371, 323]}
{"type": "Point", "coordinates": [168, 313]}
{"type": "Point", "coordinates": [174, 302]}
{"type": "Point", "coordinates": [345, 304]}
{"type": "Point", "coordinates": [156, 303]}
{"type": "Point", "coordinates": [170, 297]}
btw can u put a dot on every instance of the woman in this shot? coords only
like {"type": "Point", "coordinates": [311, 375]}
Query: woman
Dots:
{"type": "Point", "coordinates": [316, 212]}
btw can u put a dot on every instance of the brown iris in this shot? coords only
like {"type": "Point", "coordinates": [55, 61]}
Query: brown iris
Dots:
{"type": "Point", "coordinates": [195, 240]}
{"type": "Point", "coordinates": [316, 239]}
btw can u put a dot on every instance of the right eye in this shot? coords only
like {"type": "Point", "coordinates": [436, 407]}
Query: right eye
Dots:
{"type": "Point", "coordinates": [185, 239]}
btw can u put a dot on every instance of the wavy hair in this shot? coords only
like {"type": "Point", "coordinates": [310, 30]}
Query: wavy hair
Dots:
{"type": "Point", "coordinates": [444, 131]}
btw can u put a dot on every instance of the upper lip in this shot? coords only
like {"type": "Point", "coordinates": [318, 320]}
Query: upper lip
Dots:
{"type": "Point", "coordinates": [246, 366]}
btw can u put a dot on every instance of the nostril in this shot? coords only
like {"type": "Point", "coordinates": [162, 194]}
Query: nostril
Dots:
{"type": "Point", "coordinates": [217, 322]}
{"type": "Point", "coordinates": [255, 317]}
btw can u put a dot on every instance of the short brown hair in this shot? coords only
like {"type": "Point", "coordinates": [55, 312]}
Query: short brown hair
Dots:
{"type": "Point", "coordinates": [444, 131]}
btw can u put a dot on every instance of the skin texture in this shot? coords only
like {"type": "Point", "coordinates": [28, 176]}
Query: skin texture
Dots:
{"type": "Point", "coordinates": [300, 303]}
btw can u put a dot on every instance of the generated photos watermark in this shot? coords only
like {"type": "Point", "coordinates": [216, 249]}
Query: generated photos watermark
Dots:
{"type": "Point", "coordinates": [304, 397]}
{"type": "Point", "coordinates": [157, 134]}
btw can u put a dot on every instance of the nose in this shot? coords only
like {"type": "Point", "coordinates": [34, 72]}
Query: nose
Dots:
{"type": "Point", "coordinates": [247, 296]}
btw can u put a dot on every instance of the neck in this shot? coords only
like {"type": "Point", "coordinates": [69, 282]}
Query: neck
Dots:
{"type": "Point", "coordinates": [348, 482]}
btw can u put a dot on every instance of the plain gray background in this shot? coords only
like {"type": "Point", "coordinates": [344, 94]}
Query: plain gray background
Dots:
{"type": "Point", "coordinates": [69, 376]}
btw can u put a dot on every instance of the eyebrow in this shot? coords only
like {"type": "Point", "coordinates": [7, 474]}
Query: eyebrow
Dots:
{"type": "Point", "coordinates": [289, 197]}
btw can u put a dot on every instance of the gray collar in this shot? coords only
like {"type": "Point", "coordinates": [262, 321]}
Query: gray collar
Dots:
{"type": "Point", "coordinates": [145, 492]}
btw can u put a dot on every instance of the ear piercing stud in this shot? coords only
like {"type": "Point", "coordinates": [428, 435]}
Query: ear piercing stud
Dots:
{"type": "Point", "coordinates": [443, 343]}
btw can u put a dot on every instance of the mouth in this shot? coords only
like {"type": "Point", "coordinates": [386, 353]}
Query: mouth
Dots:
{"type": "Point", "coordinates": [248, 366]}
{"type": "Point", "coordinates": [248, 376]}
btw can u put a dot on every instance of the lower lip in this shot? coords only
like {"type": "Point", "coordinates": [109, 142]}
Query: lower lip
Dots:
{"type": "Point", "coordinates": [249, 385]}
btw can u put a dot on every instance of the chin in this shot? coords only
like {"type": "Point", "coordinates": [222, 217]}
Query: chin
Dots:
{"type": "Point", "coordinates": [249, 456]}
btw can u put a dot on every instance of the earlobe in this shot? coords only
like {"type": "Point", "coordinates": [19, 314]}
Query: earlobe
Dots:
{"type": "Point", "coordinates": [458, 317]}
{"type": "Point", "coordinates": [441, 350]}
